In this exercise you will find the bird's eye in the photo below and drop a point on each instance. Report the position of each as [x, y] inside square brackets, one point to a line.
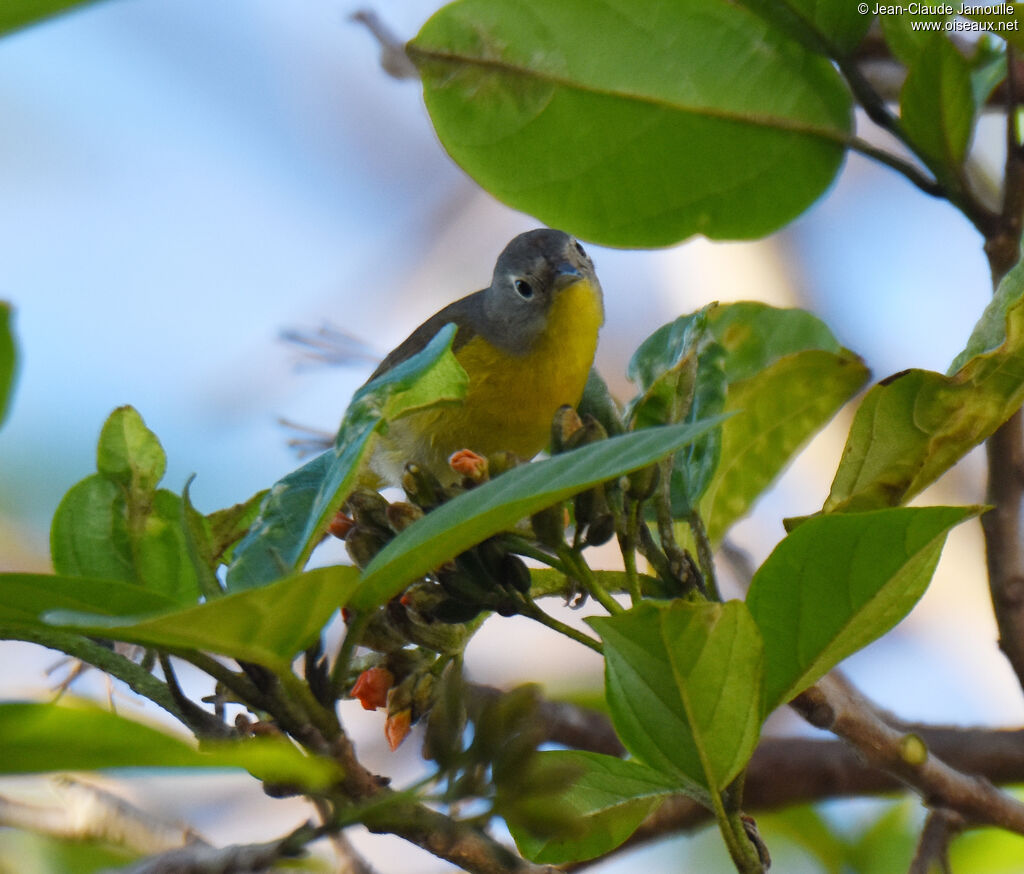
[524, 289]
[580, 249]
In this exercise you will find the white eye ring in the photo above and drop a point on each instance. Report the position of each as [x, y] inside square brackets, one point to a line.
[580, 248]
[523, 289]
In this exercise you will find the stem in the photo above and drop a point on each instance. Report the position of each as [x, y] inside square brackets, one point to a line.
[523, 547]
[741, 850]
[582, 572]
[353, 635]
[628, 549]
[326, 721]
[532, 611]
[705, 555]
[137, 678]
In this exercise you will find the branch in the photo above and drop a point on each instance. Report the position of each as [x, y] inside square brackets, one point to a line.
[1004, 551]
[837, 707]
[933, 849]
[384, 811]
[238, 859]
[136, 677]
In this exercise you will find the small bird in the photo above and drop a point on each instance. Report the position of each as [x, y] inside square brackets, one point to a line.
[527, 344]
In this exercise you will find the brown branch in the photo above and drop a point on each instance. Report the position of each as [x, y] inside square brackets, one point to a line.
[1002, 525]
[383, 811]
[837, 707]
[240, 859]
[933, 849]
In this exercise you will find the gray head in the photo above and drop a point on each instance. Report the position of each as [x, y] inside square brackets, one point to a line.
[528, 276]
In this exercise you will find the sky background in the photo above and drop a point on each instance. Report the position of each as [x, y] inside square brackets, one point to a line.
[182, 181]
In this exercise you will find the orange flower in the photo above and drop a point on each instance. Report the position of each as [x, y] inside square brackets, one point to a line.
[372, 687]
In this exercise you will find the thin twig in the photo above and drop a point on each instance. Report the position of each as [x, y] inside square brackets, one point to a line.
[940, 828]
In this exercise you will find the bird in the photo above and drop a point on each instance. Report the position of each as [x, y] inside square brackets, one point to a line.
[527, 344]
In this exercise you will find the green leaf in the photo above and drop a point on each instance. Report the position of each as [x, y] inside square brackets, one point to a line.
[89, 533]
[228, 526]
[779, 410]
[992, 329]
[907, 35]
[42, 854]
[498, 504]
[988, 69]
[48, 737]
[912, 427]
[24, 598]
[937, 105]
[268, 625]
[592, 94]
[598, 402]
[784, 376]
[129, 454]
[838, 582]
[298, 508]
[679, 372]
[117, 525]
[8, 360]
[683, 682]
[92, 536]
[831, 27]
[664, 370]
[15, 14]
[608, 800]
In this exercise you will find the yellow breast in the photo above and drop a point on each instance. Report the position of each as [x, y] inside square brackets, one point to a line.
[511, 399]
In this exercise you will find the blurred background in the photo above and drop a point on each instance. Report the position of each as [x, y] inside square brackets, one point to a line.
[181, 182]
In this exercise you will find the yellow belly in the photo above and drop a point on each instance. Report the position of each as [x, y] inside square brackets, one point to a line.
[510, 400]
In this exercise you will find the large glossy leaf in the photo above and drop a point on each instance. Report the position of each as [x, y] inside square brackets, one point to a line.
[81, 737]
[268, 625]
[838, 582]
[722, 124]
[911, 428]
[295, 513]
[786, 377]
[498, 504]
[15, 14]
[608, 799]
[937, 104]
[683, 682]
[8, 360]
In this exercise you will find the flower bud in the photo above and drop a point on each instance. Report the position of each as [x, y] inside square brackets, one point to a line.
[565, 424]
[401, 514]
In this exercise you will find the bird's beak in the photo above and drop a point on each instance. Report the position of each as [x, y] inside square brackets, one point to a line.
[566, 274]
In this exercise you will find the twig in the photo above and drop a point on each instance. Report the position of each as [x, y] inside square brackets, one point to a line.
[393, 58]
[1004, 550]
[837, 707]
[201, 722]
[457, 842]
[705, 555]
[238, 859]
[529, 609]
[137, 678]
[940, 828]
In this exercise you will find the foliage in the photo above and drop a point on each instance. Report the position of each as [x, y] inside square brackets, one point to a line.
[630, 125]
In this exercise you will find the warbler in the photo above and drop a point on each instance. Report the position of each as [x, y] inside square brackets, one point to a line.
[527, 344]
